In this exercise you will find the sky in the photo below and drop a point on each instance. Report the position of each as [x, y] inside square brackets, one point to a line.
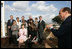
[46, 9]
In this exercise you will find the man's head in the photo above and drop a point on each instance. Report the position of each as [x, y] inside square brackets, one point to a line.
[22, 17]
[40, 17]
[64, 12]
[11, 16]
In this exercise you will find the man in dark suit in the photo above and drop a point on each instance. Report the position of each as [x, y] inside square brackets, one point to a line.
[9, 24]
[22, 19]
[41, 26]
[64, 32]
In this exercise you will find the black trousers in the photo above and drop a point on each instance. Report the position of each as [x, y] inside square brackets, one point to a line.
[10, 37]
[14, 39]
[40, 34]
[28, 43]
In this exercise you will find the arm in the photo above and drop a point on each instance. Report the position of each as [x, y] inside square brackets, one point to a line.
[8, 24]
[25, 32]
[19, 32]
[60, 32]
[34, 38]
[43, 25]
[12, 28]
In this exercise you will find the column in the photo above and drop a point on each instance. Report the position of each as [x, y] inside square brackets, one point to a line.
[3, 21]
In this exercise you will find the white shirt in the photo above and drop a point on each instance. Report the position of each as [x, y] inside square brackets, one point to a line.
[40, 21]
[19, 24]
[51, 27]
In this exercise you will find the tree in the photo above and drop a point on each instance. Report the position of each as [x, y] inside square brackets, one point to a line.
[57, 19]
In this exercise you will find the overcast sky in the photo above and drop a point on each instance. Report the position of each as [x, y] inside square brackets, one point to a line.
[47, 9]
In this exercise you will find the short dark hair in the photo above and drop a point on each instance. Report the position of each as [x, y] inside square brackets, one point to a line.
[66, 9]
[17, 18]
[23, 16]
[36, 18]
[11, 15]
[13, 21]
[40, 16]
[22, 25]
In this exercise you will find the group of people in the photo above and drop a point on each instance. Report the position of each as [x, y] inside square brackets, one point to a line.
[30, 31]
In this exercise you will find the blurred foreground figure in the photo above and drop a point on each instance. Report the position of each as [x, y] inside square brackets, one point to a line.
[64, 32]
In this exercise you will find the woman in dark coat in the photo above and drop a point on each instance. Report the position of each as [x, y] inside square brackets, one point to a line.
[32, 35]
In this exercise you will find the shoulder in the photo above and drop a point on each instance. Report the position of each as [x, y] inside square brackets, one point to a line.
[28, 20]
[8, 20]
[43, 21]
[38, 21]
[68, 20]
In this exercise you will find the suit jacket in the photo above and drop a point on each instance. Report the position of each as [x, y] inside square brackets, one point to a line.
[41, 25]
[64, 33]
[10, 23]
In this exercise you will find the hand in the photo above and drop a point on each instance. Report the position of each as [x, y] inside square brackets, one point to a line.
[14, 28]
[8, 26]
[29, 36]
[45, 29]
[34, 38]
[29, 24]
[50, 25]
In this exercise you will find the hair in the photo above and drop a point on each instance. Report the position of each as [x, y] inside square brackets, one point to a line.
[17, 18]
[11, 15]
[22, 25]
[13, 21]
[22, 16]
[40, 16]
[33, 26]
[36, 18]
[66, 9]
